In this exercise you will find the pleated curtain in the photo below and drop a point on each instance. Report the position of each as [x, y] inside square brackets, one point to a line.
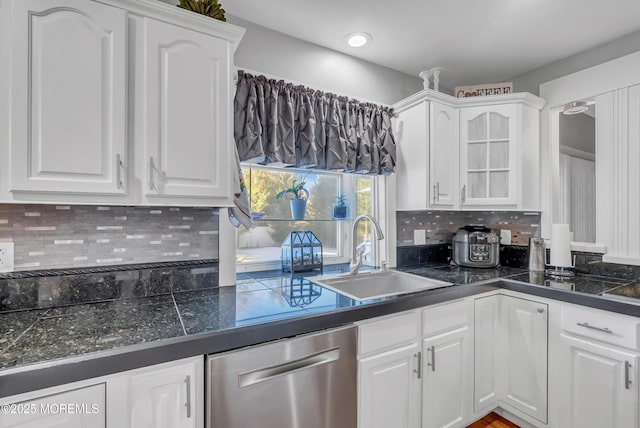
[278, 122]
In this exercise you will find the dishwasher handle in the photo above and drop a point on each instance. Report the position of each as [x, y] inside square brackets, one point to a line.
[261, 375]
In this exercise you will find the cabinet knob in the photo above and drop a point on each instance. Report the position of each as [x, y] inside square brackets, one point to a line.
[540, 310]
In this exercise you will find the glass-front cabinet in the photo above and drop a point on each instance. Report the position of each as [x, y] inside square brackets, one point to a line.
[488, 155]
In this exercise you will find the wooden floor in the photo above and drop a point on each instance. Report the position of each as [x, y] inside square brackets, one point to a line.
[493, 420]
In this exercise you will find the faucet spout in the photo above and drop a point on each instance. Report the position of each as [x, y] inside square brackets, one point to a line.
[356, 259]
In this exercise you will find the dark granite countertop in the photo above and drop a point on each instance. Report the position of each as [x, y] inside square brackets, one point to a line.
[461, 275]
[150, 314]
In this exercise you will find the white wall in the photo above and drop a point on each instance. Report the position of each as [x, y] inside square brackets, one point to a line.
[530, 82]
[274, 53]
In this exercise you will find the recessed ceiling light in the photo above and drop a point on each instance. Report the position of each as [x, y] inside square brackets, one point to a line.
[575, 107]
[356, 40]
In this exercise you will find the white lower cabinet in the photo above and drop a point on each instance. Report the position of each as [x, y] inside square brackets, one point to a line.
[600, 387]
[390, 389]
[388, 372]
[169, 395]
[445, 381]
[511, 348]
[406, 384]
[446, 365]
[524, 326]
[486, 367]
[598, 369]
[75, 408]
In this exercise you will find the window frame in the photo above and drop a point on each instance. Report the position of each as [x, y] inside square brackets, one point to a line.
[346, 186]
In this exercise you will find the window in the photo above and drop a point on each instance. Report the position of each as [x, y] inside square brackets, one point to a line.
[364, 205]
[259, 247]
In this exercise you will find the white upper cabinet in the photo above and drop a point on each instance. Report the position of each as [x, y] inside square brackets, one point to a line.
[488, 155]
[68, 97]
[187, 111]
[443, 156]
[412, 172]
[470, 153]
[427, 168]
[120, 102]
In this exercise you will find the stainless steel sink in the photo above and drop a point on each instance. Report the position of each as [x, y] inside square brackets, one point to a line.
[375, 284]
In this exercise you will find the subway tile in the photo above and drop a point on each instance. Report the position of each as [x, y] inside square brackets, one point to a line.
[109, 227]
[112, 260]
[60, 236]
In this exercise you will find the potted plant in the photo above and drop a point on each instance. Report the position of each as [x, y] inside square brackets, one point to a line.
[209, 8]
[340, 209]
[298, 201]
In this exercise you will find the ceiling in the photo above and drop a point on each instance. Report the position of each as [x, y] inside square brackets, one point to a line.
[474, 41]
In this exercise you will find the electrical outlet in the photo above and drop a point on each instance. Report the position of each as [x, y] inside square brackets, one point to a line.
[419, 237]
[6, 256]
[505, 236]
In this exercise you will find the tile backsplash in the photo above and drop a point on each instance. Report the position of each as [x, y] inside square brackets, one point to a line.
[440, 226]
[63, 236]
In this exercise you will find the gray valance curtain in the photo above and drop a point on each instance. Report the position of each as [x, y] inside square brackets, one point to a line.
[277, 122]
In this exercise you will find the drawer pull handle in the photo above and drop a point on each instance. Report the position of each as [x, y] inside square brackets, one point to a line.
[587, 325]
[119, 166]
[418, 369]
[627, 377]
[187, 381]
[432, 349]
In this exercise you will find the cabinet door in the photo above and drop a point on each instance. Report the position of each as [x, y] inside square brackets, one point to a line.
[169, 397]
[600, 386]
[187, 104]
[524, 324]
[488, 155]
[444, 165]
[446, 379]
[412, 175]
[486, 364]
[389, 389]
[68, 97]
[79, 408]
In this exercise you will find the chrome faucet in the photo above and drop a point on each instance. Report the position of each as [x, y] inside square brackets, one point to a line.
[356, 259]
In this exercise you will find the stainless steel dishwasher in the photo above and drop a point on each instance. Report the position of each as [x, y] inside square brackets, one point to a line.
[308, 381]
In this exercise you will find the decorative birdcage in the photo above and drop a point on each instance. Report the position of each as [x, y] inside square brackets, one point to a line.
[301, 252]
[298, 291]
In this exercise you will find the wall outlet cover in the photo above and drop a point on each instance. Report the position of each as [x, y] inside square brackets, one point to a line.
[6, 256]
[505, 236]
[419, 237]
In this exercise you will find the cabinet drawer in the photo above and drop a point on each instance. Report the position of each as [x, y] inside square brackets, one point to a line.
[445, 317]
[604, 326]
[388, 332]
